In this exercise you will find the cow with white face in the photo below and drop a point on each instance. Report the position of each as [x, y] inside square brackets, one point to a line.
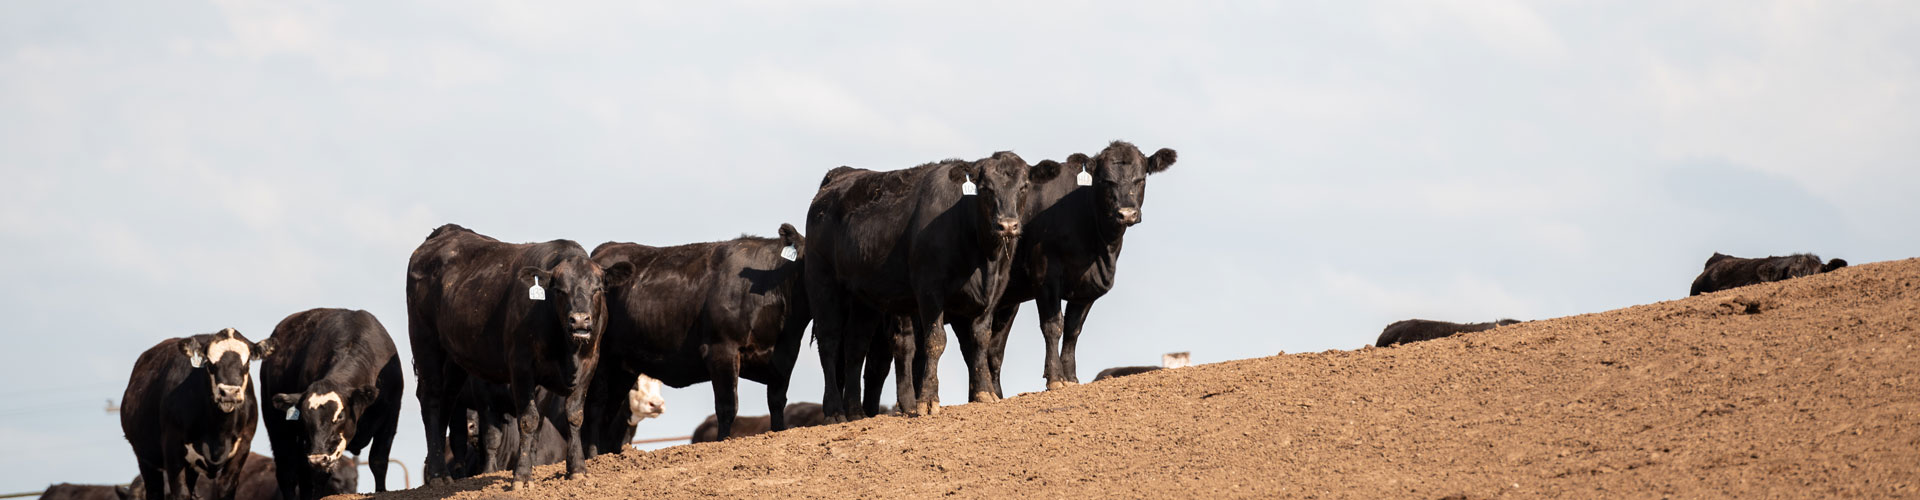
[336, 387]
[645, 400]
[189, 412]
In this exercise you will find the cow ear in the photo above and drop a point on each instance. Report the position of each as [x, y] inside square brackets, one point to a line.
[263, 348]
[286, 400]
[529, 273]
[196, 355]
[364, 396]
[960, 172]
[1161, 160]
[792, 237]
[1044, 171]
[616, 274]
[1833, 264]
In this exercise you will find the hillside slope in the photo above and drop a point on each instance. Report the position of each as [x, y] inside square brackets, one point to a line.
[1806, 388]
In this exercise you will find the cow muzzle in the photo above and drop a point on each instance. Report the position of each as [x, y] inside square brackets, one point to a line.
[229, 397]
[321, 462]
[1127, 216]
[1007, 227]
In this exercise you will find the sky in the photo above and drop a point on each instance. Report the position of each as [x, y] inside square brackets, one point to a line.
[176, 168]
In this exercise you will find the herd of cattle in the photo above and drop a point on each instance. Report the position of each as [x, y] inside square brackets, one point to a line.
[536, 353]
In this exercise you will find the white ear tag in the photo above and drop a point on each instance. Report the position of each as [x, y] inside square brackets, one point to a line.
[789, 253]
[1084, 179]
[293, 413]
[966, 188]
[196, 360]
[535, 292]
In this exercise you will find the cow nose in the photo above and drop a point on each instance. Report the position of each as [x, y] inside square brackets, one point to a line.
[1128, 216]
[320, 461]
[1009, 227]
[580, 321]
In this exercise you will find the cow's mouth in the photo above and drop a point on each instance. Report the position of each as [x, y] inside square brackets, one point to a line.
[227, 405]
[582, 335]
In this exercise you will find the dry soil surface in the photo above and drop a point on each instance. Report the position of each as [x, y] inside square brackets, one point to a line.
[1808, 388]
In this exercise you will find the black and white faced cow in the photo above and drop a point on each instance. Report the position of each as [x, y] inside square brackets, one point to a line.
[525, 315]
[189, 410]
[336, 386]
[1070, 251]
[934, 244]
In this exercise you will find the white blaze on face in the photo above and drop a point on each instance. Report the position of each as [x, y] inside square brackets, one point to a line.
[314, 403]
[339, 448]
[1175, 360]
[645, 400]
[222, 347]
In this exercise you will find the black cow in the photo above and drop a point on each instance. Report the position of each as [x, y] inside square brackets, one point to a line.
[702, 312]
[796, 415]
[1415, 330]
[189, 410]
[70, 491]
[526, 315]
[336, 386]
[1071, 250]
[912, 243]
[1726, 271]
[490, 439]
[1122, 371]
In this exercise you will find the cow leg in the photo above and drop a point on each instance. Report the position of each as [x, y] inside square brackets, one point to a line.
[723, 364]
[879, 359]
[829, 325]
[568, 415]
[438, 380]
[930, 340]
[997, 351]
[1076, 317]
[179, 481]
[152, 490]
[979, 368]
[785, 353]
[383, 447]
[856, 343]
[1051, 328]
[528, 415]
[906, 396]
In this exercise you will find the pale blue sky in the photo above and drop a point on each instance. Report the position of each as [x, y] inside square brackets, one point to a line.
[182, 167]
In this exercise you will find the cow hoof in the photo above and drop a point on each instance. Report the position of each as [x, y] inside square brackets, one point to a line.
[1068, 383]
[984, 397]
[517, 485]
[933, 408]
[836, 419]
[1055, 385]
[439, 481]
[576, 475]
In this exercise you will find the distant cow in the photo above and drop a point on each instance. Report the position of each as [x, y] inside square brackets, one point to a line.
[932, 243]
[189, 410]
[1168, 360]
[610, 433]
[335, 386]
[1415, 330]
[1726, 271]
[1070, 251]
[797, 415]
[703, 312]
[526, 315]
[70, 491]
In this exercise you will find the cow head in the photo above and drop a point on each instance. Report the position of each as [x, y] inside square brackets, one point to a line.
[1120, 180]
[226, 358]
[645, 400]
[576, 290]
[329, 413]
[1001, 182]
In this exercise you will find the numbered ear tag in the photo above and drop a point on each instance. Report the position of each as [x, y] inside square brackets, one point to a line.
[293, 413]
[790, 253]
[1084, 179]
[535, 292]
[196, 360]
[966, 188]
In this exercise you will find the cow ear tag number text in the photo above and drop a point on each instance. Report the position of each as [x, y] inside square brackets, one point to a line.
[1084, 179]
[789, 253]
[293, 413]
[535, 292]
[966, 188]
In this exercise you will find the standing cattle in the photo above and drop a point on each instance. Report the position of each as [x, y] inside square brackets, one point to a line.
[932, 243]
[526, 315]
[189, 411]
[1071, 250]
[796, 415]
[490, 440]
[702, 312]
[1726, 271]
[1415, 330]
[335, 386]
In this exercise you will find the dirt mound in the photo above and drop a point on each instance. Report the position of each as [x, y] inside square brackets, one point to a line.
[1806, 388]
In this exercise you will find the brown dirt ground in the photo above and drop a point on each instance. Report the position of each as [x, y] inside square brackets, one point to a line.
[1805, 388]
